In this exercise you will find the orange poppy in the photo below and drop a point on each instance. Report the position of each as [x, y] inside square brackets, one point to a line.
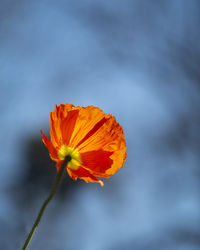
[93, 141]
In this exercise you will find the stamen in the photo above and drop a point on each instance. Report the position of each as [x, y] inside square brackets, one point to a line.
[73, 155]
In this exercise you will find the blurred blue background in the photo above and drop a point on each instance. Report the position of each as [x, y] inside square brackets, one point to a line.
[138, 60]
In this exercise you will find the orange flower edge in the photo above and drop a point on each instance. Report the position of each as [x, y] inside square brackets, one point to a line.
[93, 140]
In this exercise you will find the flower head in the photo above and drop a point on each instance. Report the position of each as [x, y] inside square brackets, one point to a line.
[92, 140]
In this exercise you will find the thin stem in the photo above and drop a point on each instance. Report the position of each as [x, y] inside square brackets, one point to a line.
[46, 202]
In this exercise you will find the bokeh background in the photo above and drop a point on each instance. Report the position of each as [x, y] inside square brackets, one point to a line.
[138, 60]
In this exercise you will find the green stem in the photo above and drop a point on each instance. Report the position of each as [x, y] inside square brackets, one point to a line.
[46, 202]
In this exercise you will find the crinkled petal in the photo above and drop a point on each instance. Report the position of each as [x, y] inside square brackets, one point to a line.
[92, 131]
[50, 147]
[67, 125]
[56, 117]
[89, 120]
[83, 174]
[98, 161]
[109, 137]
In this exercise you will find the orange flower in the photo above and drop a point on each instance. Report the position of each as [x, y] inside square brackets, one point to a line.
[93, 140]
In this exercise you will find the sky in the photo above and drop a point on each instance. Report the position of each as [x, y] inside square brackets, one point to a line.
[137, 60]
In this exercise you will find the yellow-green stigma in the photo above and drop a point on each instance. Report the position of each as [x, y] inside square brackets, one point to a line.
[73, 154]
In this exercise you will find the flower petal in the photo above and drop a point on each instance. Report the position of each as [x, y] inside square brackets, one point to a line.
[67, 125]
[83, 174]
[92, 131]
[50, 147]
[89, 120]
[56, 117]
[98, 161]
[109, 137]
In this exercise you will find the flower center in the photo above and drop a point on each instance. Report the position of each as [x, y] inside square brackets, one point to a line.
[73, 155]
